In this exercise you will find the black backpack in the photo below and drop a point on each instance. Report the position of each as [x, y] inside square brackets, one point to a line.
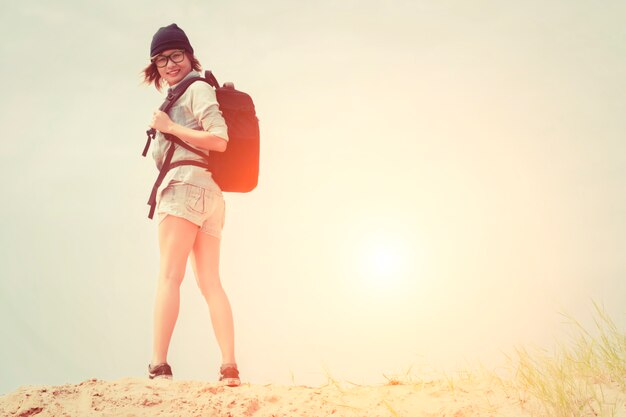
[237, 168]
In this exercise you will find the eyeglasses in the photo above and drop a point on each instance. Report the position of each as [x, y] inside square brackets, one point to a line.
[176, 57]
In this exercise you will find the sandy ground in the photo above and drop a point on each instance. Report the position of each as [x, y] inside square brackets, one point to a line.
[142, 397]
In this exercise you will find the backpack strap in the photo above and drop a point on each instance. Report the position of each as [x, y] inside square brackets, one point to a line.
[210, 78]
[172, 97]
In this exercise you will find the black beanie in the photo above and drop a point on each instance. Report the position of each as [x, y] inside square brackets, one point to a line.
[169, 37]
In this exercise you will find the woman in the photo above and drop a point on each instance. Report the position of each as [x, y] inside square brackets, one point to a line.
[190, 205]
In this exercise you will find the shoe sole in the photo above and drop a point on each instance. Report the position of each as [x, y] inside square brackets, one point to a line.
[231, 382]
[168, 377]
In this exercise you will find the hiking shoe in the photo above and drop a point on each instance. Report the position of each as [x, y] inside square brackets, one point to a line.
[229, 376]
[161, 371]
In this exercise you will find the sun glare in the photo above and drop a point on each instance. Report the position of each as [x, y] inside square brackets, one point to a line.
[385, 263]
[374, 261]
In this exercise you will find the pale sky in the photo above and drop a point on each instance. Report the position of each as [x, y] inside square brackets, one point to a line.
[439, 181]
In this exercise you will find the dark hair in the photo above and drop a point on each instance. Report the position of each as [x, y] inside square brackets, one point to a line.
[151, 72]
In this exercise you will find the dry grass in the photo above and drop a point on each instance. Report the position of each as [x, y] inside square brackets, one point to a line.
[400, 379]
[575, 380]
[585, 376]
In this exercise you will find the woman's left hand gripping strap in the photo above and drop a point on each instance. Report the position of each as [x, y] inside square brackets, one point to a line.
[151, 134]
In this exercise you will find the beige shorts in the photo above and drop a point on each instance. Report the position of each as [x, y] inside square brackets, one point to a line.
[203, 207]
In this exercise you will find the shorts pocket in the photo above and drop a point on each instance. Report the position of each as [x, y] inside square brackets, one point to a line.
[196, 199]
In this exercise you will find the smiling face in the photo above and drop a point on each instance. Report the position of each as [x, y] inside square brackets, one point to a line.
[173, 72]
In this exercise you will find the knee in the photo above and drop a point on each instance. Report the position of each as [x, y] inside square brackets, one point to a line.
[171, 278]
[210, 286]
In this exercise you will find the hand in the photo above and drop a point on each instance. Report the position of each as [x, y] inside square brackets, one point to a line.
[161, 122]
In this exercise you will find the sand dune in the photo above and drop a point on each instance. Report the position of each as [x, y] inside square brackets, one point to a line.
[472, 396]
[142, 397]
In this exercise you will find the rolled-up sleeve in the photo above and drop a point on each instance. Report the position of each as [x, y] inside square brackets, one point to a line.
[206, 109]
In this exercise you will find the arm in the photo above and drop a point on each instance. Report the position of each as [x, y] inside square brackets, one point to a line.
[198, 138]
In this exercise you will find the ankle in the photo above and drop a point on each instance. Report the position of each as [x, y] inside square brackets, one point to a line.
[155, 363]
[228, 365]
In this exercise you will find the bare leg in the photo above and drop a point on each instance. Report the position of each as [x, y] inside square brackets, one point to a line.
[176, 237]
[205, 261]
